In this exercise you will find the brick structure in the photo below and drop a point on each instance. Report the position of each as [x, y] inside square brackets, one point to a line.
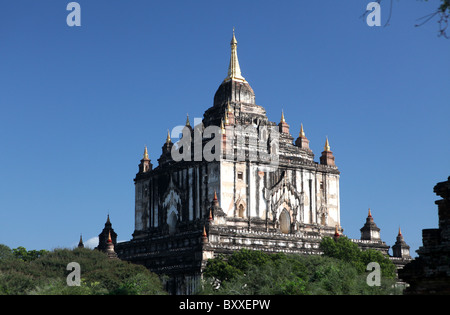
[430, 272]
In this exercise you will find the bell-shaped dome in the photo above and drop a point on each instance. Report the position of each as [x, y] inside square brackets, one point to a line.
[234, 91]
[234, 88]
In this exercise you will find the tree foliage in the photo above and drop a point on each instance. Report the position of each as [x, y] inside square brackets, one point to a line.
[37, 272]
[346, 250]
[341, 270]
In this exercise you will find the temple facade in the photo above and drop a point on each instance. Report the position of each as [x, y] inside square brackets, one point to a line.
[236, 180]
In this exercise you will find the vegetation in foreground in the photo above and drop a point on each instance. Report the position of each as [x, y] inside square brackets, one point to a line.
[45, 273]
[341, 270]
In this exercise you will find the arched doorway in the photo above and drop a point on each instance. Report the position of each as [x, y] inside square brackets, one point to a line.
[241, 211]
[172, 222]
[285, 222]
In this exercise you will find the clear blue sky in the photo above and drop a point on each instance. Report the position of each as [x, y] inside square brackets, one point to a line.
[78, 104]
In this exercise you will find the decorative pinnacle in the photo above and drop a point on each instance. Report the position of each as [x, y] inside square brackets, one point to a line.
[399, 232]
[302, 132]
[282, 117]
[187, 120]
[222, 128]
[228, 107]
[226, 118]
[205, 236]
[327, 146]
[146, 153]
[234, 70]
[168, 140]
[370, 213]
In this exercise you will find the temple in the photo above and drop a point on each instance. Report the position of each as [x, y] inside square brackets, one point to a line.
[236, 180]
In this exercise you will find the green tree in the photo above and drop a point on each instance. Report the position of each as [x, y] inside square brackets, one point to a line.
[254, 273]
[344, 249]
[5, 252]
[99, 275]
[340, 271]
[23, 254]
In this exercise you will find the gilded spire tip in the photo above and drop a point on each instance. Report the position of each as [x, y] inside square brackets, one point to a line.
[302, 132]
[234, 70]
[168, 140]
[327, 146]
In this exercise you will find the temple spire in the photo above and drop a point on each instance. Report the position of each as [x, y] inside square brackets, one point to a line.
[146, 153]
[327, 157]
[327, 146]
[80, 243]
[234, 70]
[302, 132]
[187, 120]
[283, 126]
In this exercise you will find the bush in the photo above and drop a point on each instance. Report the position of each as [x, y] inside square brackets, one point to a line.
[341, 270]
[345, 250]
[47, 274]
[254, 273]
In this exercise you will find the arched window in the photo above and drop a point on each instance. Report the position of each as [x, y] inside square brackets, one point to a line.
[172, 221]
[241, 211]
[323, 220]
[285, 222]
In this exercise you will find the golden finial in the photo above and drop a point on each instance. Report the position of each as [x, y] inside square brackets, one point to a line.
[282, 117]
[146, 153]
[204, 235]
[327, 146]
[228, 107]
[187, 120]
[168, 140]
[233, 39]
[302, 132]
[226, 118]
[234, 70]
[370, 213]
[399, 232]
